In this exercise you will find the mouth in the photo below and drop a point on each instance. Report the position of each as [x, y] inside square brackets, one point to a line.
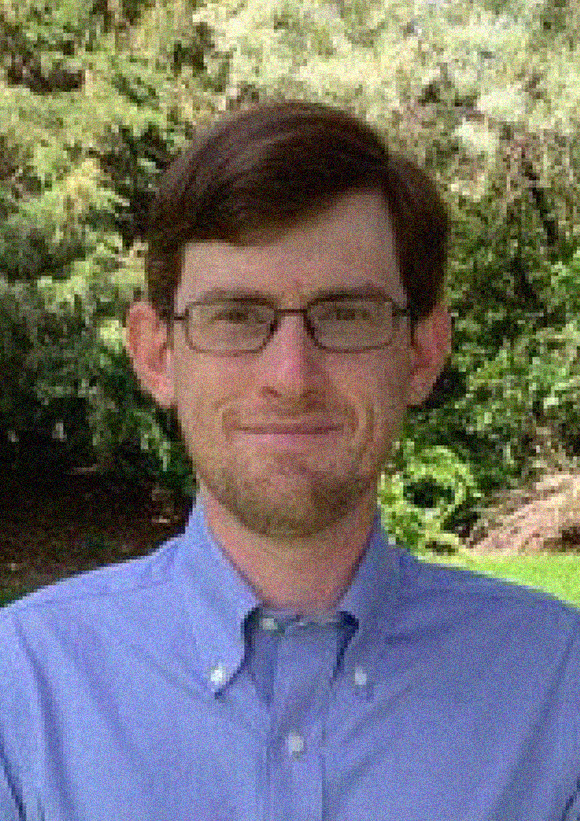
[291, 435]
[294, 430]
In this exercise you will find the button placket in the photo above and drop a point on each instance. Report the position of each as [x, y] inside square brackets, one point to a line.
[306, 660]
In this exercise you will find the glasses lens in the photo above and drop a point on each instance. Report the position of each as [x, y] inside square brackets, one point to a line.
[353, 322]
[229, 325]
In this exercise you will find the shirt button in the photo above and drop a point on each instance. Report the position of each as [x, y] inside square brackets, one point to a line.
[218, 674]
[268, 623]
[295, 743]
[360, 677]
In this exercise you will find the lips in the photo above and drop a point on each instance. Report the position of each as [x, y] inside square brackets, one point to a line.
[289, 429]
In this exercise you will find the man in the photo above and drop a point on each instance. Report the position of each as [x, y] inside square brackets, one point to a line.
[281, 659]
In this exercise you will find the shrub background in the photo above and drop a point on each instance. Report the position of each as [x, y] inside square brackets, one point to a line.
[95, 98]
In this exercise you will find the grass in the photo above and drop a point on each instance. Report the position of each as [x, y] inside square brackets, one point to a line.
[558, 574]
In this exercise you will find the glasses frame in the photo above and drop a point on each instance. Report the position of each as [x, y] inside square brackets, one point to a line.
[398, 311]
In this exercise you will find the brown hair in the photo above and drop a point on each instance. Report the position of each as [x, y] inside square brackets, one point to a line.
[276, 163]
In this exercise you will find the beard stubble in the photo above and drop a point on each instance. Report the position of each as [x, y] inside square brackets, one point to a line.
[283, 495]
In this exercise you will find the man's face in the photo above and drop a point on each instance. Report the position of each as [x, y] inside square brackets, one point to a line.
[282, 484]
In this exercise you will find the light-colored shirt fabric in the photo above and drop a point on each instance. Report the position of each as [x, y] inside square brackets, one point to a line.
[160, 690]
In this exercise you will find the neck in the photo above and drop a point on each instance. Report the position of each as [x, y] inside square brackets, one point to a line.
[303, 574]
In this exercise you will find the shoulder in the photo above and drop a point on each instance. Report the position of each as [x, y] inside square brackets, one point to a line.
[445, 578]
[103, 591]
[473, 637]
[441, 592]
[87, 625]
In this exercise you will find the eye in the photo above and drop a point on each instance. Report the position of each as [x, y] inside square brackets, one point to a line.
[347, 311]
[237, 314]
[230, 315]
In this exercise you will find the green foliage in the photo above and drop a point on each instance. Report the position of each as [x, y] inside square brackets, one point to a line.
[96, 97]
[516, 413]
[68, 396]
[529, 390]
[422, 496]
[44, 353]
[131, 436]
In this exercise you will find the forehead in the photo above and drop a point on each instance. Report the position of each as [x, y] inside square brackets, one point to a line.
[348, 244]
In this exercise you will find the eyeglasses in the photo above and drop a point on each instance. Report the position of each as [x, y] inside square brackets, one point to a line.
[246, 324]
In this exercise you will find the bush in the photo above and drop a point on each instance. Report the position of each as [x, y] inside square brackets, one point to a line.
[45, 353]
[424, 497]
[68, 396]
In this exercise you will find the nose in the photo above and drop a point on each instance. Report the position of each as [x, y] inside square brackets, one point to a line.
[291, 364]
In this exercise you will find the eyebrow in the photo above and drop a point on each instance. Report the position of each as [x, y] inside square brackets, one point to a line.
[367, 289]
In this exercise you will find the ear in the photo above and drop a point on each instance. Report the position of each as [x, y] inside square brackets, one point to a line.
[147, 343]
[430, 347]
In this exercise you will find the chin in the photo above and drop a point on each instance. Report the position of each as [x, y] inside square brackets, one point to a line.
[287, 500]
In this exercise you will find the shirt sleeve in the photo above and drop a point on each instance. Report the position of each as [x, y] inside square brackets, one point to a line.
[10, 804]
[14, 727]
[571, 721]
[572, 811]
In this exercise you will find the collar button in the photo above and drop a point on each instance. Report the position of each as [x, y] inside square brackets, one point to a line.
[218, 674]
[268, 623]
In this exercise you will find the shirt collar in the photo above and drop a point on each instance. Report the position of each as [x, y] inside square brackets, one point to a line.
[220, 600]
[373, 585]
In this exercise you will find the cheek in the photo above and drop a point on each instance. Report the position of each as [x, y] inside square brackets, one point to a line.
[203, 391]
[383, 382]
[381, 398]
[193, 393]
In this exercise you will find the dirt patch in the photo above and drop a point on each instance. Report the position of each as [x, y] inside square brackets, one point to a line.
[543, 518]
[49, 531]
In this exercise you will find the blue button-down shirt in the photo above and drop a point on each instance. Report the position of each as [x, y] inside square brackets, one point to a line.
[160, 690]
